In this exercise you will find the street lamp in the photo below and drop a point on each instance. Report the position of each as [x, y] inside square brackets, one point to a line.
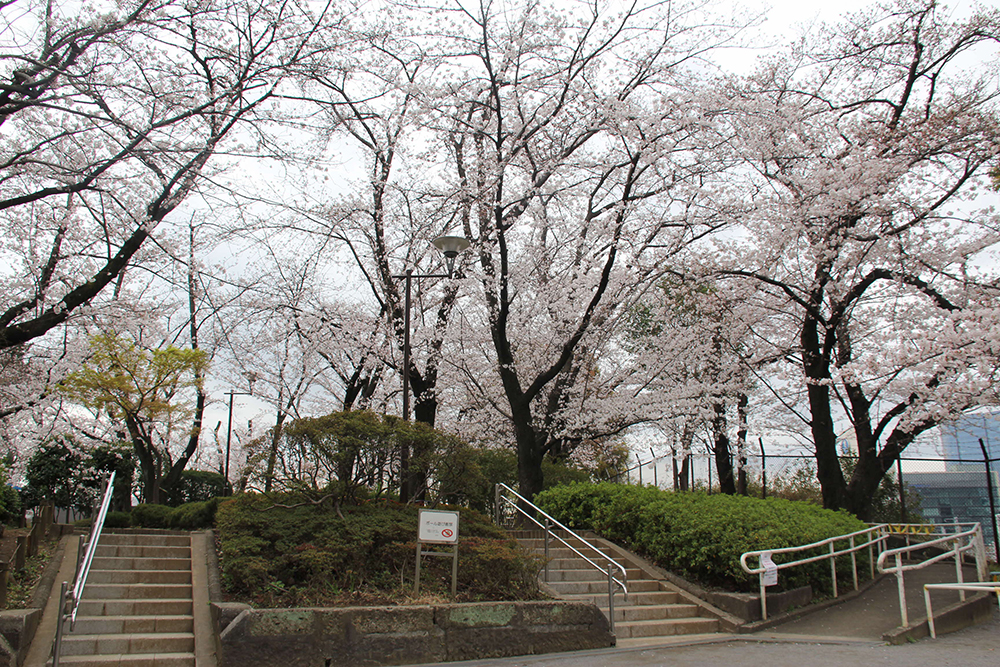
[450, 247]
[229, 428]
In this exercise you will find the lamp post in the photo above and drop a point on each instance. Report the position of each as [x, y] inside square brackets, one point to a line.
[450, 247]
[229, 428]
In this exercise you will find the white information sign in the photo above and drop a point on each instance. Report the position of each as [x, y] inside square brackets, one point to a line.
[770, 569]
[437, 527]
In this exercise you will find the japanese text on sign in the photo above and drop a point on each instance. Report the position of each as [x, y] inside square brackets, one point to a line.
[436, 527]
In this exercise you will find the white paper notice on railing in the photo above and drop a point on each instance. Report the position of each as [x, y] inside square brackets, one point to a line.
[770, 569]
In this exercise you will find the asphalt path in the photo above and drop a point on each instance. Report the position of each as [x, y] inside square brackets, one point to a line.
[978, 646]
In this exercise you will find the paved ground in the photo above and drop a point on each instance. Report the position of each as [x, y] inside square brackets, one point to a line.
[978, 646]
[842, 635]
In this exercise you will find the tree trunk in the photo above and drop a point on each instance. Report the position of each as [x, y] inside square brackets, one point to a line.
[721, 450]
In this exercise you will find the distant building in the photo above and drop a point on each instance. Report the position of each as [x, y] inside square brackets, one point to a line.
[960, 439]
[955, 496]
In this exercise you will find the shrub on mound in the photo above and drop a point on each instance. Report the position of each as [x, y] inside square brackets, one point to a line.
[702, 536]
[285, 550]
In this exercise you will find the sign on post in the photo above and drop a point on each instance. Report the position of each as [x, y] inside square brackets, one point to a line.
[770, 569]
[437, 527]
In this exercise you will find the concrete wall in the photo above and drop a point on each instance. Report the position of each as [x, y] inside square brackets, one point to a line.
[357, 636]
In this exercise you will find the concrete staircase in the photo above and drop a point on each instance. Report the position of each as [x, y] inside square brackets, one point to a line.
[138, 605]
[654, 607]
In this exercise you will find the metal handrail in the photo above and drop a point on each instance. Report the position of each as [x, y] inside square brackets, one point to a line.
[975, 543]
[978, 586]
[547, 527]
[762, 571]
[71, 598]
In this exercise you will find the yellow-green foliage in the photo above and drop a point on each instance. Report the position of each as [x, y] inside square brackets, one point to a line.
[284, 550]
[125, 380]
[702, 536]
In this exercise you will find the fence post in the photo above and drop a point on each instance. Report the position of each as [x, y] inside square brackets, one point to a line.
[19, 552]
[993, 508]
[902, 492]
[4, 576]
[763, 469]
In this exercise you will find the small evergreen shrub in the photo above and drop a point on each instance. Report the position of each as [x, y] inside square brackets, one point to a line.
[285, 550]
[147, 515]
[702, 536]
[117, 520]
[193, 516]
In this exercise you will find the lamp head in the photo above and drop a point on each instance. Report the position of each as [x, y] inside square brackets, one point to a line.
[450, 246]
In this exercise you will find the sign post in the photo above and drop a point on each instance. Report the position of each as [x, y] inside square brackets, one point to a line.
[437, 527]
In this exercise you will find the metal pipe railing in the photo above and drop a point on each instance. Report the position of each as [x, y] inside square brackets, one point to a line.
[875, 537]
[957, 549]
[70, 598]
[979, 586]
[609, 568]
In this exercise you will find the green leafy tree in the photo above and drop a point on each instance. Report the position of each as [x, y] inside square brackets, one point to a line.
[146, 391]
[55, 472]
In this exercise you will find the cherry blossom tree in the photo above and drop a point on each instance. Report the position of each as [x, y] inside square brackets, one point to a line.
[111, 116]
[573, 171]
[861, 153]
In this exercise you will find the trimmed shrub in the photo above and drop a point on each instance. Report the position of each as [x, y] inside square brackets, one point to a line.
[286, 550]
[193, 516]
[702, 536]
[147, 515]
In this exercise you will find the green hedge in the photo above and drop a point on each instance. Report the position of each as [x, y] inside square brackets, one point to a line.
[702, 536]
[282, 550]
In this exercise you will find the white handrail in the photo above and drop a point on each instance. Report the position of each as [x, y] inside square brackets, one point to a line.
[762, 571]
[975, 543]
[71, 598]
[611, 563]
[971, 586]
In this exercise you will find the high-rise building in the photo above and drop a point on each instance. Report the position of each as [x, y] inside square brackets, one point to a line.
[960, 439]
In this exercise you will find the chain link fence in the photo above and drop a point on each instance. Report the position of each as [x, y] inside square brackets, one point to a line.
[932, 490]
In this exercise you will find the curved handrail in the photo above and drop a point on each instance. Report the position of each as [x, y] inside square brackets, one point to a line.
[71, 598]
[975, 543]
[611, 563]
[761, 570]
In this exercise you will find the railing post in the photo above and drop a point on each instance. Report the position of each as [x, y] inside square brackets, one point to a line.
[930, 613]
[902, 591]
[57, 649]
[548, 527]
[611, 599]
[958, 567]
[763, 596]
[833, 567]
[854, 563]
[496, 505]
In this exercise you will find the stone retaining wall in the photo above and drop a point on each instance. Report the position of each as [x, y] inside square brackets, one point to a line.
[356, 636]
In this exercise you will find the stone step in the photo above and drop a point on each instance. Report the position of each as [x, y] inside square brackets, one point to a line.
[121, 644]
[140, 551]
[634, 599]
[147, 539]
[655, 612]
[675, 626]
[102, 576]
[148, 607]
[118, 625]
[137, 660]
[137, 591]
[593, 587]
[113, 563]
[588, 574]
